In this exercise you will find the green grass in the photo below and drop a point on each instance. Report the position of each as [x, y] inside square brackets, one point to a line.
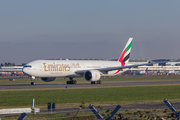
[96, 96]
[103, 96]
[106, 79]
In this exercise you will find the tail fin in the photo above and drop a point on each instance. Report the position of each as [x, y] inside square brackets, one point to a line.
[124, 58]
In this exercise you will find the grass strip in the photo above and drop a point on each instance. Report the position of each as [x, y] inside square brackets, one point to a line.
[103, 96]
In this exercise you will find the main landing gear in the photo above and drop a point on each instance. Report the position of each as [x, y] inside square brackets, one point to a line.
[96, 82]
[32, 80]
[71, 81]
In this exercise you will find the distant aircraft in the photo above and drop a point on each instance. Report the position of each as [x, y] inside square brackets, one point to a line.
[171, 72]
[142, 72]
[92, 71]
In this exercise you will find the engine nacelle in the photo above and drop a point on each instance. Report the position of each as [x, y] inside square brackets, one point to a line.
[92, 75]
[49, 79]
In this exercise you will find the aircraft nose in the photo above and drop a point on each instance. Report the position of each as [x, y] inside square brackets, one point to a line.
[26, 68]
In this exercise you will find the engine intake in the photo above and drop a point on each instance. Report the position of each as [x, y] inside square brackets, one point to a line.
[49, 79]
[92, 75]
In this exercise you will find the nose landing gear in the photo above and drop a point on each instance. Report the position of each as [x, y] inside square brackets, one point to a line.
[32, 80]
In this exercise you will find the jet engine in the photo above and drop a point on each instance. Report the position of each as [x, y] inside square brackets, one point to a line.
[92, 75]
[49, 79]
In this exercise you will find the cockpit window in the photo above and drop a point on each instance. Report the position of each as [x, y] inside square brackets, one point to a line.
[29, 66]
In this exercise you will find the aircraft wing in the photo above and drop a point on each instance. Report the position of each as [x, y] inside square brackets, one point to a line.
[119, 68]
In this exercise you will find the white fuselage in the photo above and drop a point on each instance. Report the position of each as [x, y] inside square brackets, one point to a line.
[63, 68]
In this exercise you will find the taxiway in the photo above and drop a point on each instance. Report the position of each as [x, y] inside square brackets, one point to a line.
[86, 85]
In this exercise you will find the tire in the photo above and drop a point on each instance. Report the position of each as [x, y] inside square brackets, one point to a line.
[32, 83]
[74, 82]
[93, 82]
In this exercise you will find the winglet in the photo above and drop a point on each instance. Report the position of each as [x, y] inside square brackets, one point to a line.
[124, 58]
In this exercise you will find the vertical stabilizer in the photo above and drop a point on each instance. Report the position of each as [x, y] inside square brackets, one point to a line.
[124, 58]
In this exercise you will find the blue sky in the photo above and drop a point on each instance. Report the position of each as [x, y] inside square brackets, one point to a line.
[43, 29]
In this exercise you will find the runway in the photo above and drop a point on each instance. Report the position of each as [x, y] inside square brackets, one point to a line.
[86, 85]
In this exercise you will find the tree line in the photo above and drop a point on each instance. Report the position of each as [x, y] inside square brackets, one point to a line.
[7, 64]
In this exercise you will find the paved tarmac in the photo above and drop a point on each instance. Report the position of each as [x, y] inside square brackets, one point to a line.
[86, 85]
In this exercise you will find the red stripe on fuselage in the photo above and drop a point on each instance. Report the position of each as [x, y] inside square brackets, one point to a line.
[117, 72]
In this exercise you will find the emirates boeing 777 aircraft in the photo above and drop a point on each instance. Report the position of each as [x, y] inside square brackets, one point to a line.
[92, 71]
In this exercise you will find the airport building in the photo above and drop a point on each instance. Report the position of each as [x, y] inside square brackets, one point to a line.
[11, 71]
[170, 68]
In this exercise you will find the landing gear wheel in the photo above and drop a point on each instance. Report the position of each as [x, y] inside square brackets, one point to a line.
[98, 82]
[32, 80]
[74, 81]
[71, 82]
[32, 83]
[93, 82]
